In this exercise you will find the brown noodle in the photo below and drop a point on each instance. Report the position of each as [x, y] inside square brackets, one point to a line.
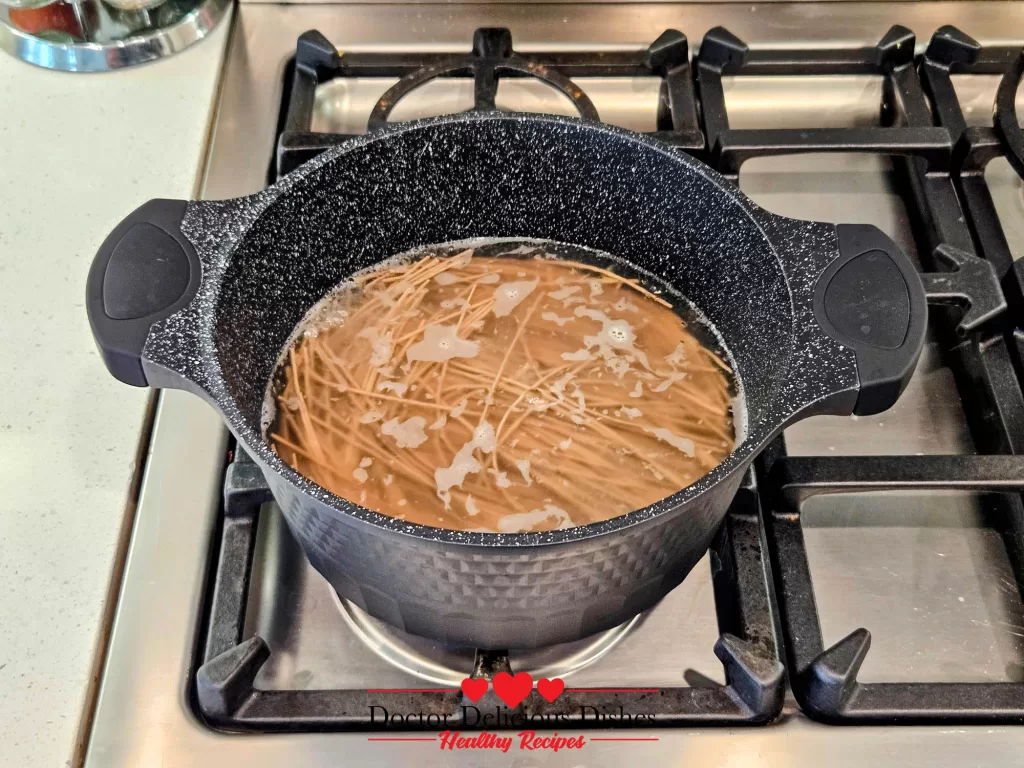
[501, 394]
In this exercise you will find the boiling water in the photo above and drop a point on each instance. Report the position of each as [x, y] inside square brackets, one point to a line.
[503, 385]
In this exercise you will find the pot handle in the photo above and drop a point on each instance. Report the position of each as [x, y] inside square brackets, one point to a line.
[145, 270]
[871, 299]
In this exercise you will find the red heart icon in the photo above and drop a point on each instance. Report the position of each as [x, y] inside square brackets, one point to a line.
[474, 688]
[550, 689]
[512, 690]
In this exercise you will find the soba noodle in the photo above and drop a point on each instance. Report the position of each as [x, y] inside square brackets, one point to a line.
[501, 393]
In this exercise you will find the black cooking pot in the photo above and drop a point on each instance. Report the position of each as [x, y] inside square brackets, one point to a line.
[818, 318]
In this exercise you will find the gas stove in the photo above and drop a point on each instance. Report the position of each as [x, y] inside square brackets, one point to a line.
[870, 571]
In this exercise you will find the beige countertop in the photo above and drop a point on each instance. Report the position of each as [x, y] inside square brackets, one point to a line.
[77, 153]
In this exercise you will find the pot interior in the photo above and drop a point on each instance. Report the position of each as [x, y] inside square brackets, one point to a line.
[505, 177]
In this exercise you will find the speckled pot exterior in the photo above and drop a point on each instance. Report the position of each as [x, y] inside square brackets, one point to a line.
[267, 258]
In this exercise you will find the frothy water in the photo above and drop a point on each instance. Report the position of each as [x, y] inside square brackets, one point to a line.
[495, 378]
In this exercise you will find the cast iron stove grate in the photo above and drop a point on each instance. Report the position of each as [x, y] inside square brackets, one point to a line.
[226, 695]
[939, 162]
[318, 61]
[959, 236]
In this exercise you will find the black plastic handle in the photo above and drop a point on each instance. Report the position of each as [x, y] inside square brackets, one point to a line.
[871, 299]
[145, 271]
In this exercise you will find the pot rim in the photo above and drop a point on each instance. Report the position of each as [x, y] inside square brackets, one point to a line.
[757, 435]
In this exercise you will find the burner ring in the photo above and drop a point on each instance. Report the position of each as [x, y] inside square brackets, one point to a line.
[1005, 115]
[433, 662]
[492, 56]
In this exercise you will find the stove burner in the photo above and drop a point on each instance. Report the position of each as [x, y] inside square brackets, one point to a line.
[448, 665]
[1006, 122]
[492, 56]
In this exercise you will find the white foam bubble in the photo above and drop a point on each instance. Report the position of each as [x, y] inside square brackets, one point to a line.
[381, 346]
[397, 387]
[508, 296]
[564, 293]
[551, 317]
[464, 463]
[500, 478]
[525, 521]
[408, 433]
[667, 382]
[684, 444]
[440, 343]
[578, 356]
[446, 278]
[677, 356]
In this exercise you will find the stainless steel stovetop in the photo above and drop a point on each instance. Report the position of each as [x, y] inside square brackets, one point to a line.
[931, 580]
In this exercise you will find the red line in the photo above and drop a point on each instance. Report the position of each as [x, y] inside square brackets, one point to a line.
[400, 738]
[609, 738]
[567, 690]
